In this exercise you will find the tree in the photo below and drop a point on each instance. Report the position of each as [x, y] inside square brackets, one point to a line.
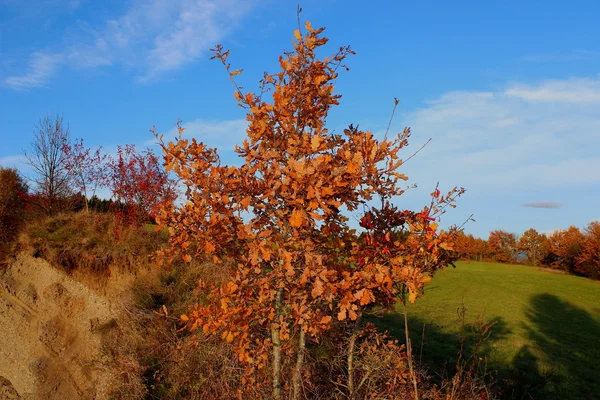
[502, 246]
[588, 260]
[139, 182]
[13, 191]
[86, 168]
[532, 244]
[463, 246]
[481, 249]
[278, 222]
[564, 247]
[47, 158]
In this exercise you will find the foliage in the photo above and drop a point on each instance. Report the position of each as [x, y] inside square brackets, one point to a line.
[502, 245]
[86, 168]
[13, 193]
[588, 260]
[563, 248]
[532, 244]
[139, 182]
[468, 247]
[278, 221]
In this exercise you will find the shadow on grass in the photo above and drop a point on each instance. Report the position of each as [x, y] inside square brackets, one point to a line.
[560, 361]
[438, 350]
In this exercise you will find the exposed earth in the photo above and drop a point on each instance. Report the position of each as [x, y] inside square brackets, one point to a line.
[51, 329]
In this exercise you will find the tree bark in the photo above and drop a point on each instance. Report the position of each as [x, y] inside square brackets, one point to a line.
[297, 379]
[351, 345]
[409, 351]
[276, 339]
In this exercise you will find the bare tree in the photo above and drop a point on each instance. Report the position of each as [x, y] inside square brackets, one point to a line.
[47, 158]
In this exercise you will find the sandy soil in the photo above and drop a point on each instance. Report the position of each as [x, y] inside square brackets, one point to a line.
[51, 328]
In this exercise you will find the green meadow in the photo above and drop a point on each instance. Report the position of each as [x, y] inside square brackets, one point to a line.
[545, 343]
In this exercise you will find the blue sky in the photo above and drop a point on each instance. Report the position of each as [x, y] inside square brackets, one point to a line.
[508, 91]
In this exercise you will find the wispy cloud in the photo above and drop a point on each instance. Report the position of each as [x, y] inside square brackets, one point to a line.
[578, 91]
[40, 68]
[16, 161]
[149, 38]
[510, 139]
[543, 204]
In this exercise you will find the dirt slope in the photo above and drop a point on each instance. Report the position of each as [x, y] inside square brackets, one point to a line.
[50, 334]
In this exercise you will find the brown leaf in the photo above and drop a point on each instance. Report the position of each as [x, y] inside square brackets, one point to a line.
[296, 219]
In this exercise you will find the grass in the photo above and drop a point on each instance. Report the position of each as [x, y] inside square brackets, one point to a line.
[545, 343]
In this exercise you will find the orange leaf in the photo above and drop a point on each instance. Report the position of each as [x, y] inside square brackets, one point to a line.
[296, 219]
[341, 315]
[209, 247]
[236, 72]
[366, 297]
[317, 288]
[315, 142]
[184, 318]
[308, 26]
[297, 35]
[245, 202]
[325, 319]
[187, 258]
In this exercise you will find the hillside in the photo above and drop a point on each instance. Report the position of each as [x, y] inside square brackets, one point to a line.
[544, 341]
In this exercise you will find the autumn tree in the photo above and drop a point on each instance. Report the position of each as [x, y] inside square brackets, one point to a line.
[13, 191]
[279, 222]
[502, 246]
[564, 247]
[86, 168]
[47, 159]
[463, 246]
[139, 182]
[588, 260]
[480, 249]
[532, 244]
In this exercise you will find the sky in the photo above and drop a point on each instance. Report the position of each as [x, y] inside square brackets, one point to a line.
[508, 92]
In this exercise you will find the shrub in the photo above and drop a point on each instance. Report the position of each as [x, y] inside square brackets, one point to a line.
[13, 193]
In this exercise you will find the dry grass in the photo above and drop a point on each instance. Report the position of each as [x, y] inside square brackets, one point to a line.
[155, 357]
[84, 244]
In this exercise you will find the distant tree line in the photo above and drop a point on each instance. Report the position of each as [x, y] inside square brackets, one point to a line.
[66, 176]
[571, 250]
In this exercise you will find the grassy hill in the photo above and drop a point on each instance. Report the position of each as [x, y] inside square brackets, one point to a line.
[545, 343]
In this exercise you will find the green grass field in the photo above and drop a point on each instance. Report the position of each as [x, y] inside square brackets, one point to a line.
[545, 344]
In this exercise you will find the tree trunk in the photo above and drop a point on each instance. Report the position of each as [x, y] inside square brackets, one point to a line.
[276, 339]
[351, 345]
[409, 351]
[297, 379]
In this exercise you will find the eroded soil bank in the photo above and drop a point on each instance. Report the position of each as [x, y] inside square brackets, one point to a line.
[51, 329]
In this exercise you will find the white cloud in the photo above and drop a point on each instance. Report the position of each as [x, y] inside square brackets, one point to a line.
[150, 38]
[13, 161]
[40, 68]
[578, 91]
[527, 136]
